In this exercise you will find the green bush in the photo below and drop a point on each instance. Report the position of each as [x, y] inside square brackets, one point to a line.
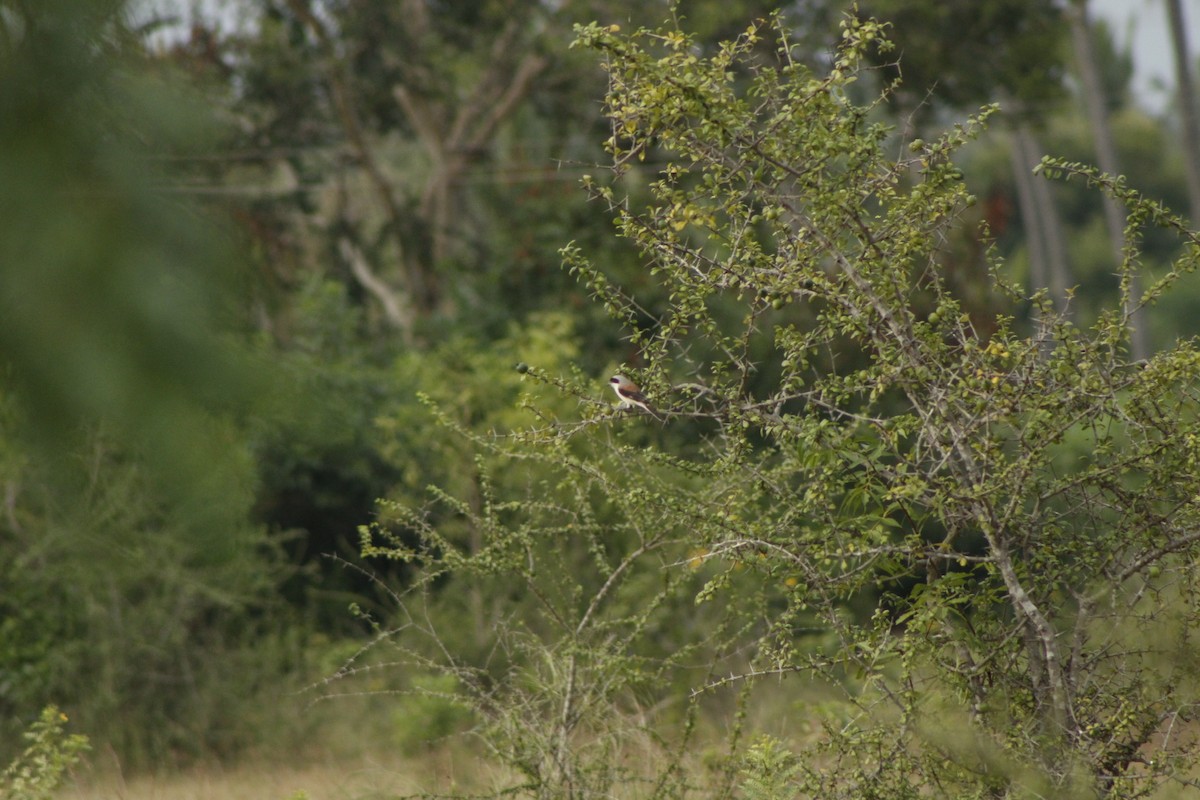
[38, 772]
[978, 534]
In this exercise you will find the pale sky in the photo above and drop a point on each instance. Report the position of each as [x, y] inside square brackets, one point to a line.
[1154, 63]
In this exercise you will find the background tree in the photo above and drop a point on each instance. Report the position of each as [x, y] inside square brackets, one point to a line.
[1187, 103]
[438, 142]
[1049, 261]
[955, 56]
[1106, 156]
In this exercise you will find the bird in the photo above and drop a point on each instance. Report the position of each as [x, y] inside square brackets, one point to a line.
[630, 394]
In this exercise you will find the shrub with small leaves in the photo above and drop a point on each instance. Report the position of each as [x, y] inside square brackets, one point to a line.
[769, 771]
[39, 770]
[980, 534]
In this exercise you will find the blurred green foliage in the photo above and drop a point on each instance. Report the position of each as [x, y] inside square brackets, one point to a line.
[964, 53]
[430, 712]
[133, 569]
[111, 287]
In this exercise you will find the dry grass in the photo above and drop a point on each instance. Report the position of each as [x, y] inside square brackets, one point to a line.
[352, 751]
[362, 778]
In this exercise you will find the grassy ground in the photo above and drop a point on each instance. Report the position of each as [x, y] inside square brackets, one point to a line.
[357, 748]
[361, 778]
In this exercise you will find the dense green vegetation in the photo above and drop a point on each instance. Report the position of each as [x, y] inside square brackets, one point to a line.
[306, 326]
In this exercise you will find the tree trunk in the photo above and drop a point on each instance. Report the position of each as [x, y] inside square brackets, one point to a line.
[1049, 262]
[1187, 106]
[1031, 219]
[456, 136]
[1106, 155]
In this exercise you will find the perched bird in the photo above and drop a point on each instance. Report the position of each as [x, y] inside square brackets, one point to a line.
[630, 394]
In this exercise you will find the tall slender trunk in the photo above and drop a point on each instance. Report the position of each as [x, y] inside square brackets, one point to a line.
[1049, 262]
[1106, 156]
[1031, 218]
[1061, 279]
[1187, 106]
